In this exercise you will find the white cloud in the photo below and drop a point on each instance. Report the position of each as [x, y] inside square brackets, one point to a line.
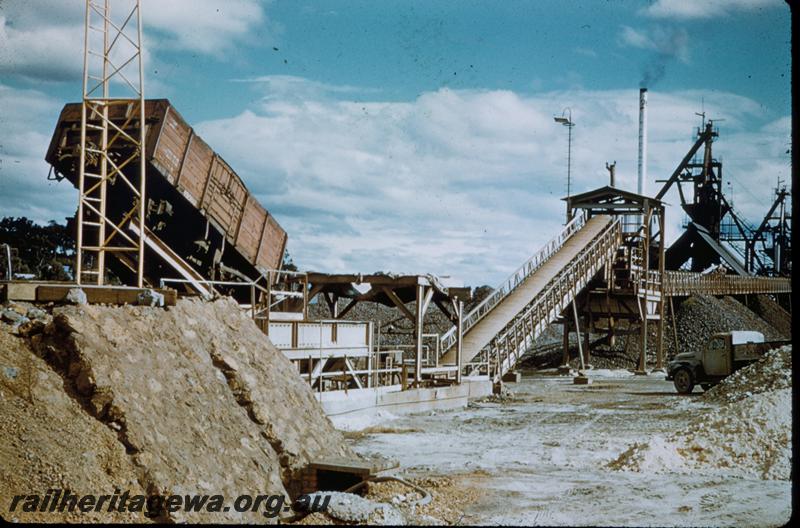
[213, 28]
[282, 87]
[49, 52]
[462, 182]
[669, 42]
[637, 39]
[27, 118]
[43, 40]
[692, 9]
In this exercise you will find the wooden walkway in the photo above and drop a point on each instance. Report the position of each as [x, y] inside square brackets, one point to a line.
[479, 335]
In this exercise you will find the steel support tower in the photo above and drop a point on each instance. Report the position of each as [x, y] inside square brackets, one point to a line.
[111, 153]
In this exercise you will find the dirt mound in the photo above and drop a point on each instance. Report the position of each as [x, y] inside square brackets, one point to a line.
[772, 312]
[770, 373]
[265, 383]
[48, 441]
[196, 396]
[749, 436]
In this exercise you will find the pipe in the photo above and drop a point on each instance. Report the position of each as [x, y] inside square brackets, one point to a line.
[611, 173]
[9, 271]
[641, 187]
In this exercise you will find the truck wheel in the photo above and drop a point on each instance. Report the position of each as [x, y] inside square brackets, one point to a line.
[683, 381]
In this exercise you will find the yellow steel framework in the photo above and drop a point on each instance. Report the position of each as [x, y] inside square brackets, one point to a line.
[112, 151]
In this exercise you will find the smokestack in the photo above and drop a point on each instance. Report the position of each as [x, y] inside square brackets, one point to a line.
[642, 181]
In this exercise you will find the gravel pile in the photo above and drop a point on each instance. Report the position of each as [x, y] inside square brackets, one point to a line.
[701, 316]
[770, 373]
[748, 435]
[24, 318]
[772, 312]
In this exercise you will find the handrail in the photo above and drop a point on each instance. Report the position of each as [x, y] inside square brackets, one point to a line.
[558, 292]
[685, 283]
[263, 274]
[536, 261]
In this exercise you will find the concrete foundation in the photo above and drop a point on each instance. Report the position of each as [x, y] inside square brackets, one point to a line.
[565, 370]
[365, 404]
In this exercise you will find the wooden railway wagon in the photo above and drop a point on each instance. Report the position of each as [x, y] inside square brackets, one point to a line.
[190, 189]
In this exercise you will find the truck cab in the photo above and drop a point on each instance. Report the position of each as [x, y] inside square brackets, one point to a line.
[723, 354]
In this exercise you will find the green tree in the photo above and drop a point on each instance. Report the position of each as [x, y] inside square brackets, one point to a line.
[479, 293]
[43, 250]
[288, 264]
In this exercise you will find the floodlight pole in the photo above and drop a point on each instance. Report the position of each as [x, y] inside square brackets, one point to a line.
[567, 122]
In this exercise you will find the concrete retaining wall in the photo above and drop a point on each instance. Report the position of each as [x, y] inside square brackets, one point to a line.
[358, 408]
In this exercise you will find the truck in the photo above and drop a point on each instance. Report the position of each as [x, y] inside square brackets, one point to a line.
[722, 355]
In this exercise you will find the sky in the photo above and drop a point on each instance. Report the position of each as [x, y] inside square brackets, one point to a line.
[418, 136]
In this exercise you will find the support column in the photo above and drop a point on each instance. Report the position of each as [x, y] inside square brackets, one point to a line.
[674, 326]
[662, 293]
[418, 336]
[305, 298]
[587, 340]
[370, 373]
[612, 324]
[642, 369]
[565, 360]
[459, 337]
[645, 286]
[578, 333]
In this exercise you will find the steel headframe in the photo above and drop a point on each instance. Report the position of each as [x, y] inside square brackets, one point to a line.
[109, 145]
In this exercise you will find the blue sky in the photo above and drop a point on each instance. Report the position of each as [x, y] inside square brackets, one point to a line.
[418, 136]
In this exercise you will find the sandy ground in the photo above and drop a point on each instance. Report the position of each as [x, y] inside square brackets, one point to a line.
[541, 459]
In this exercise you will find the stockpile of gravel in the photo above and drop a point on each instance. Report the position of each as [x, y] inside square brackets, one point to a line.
[772, 312]
[701, 316]
[548, 351]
